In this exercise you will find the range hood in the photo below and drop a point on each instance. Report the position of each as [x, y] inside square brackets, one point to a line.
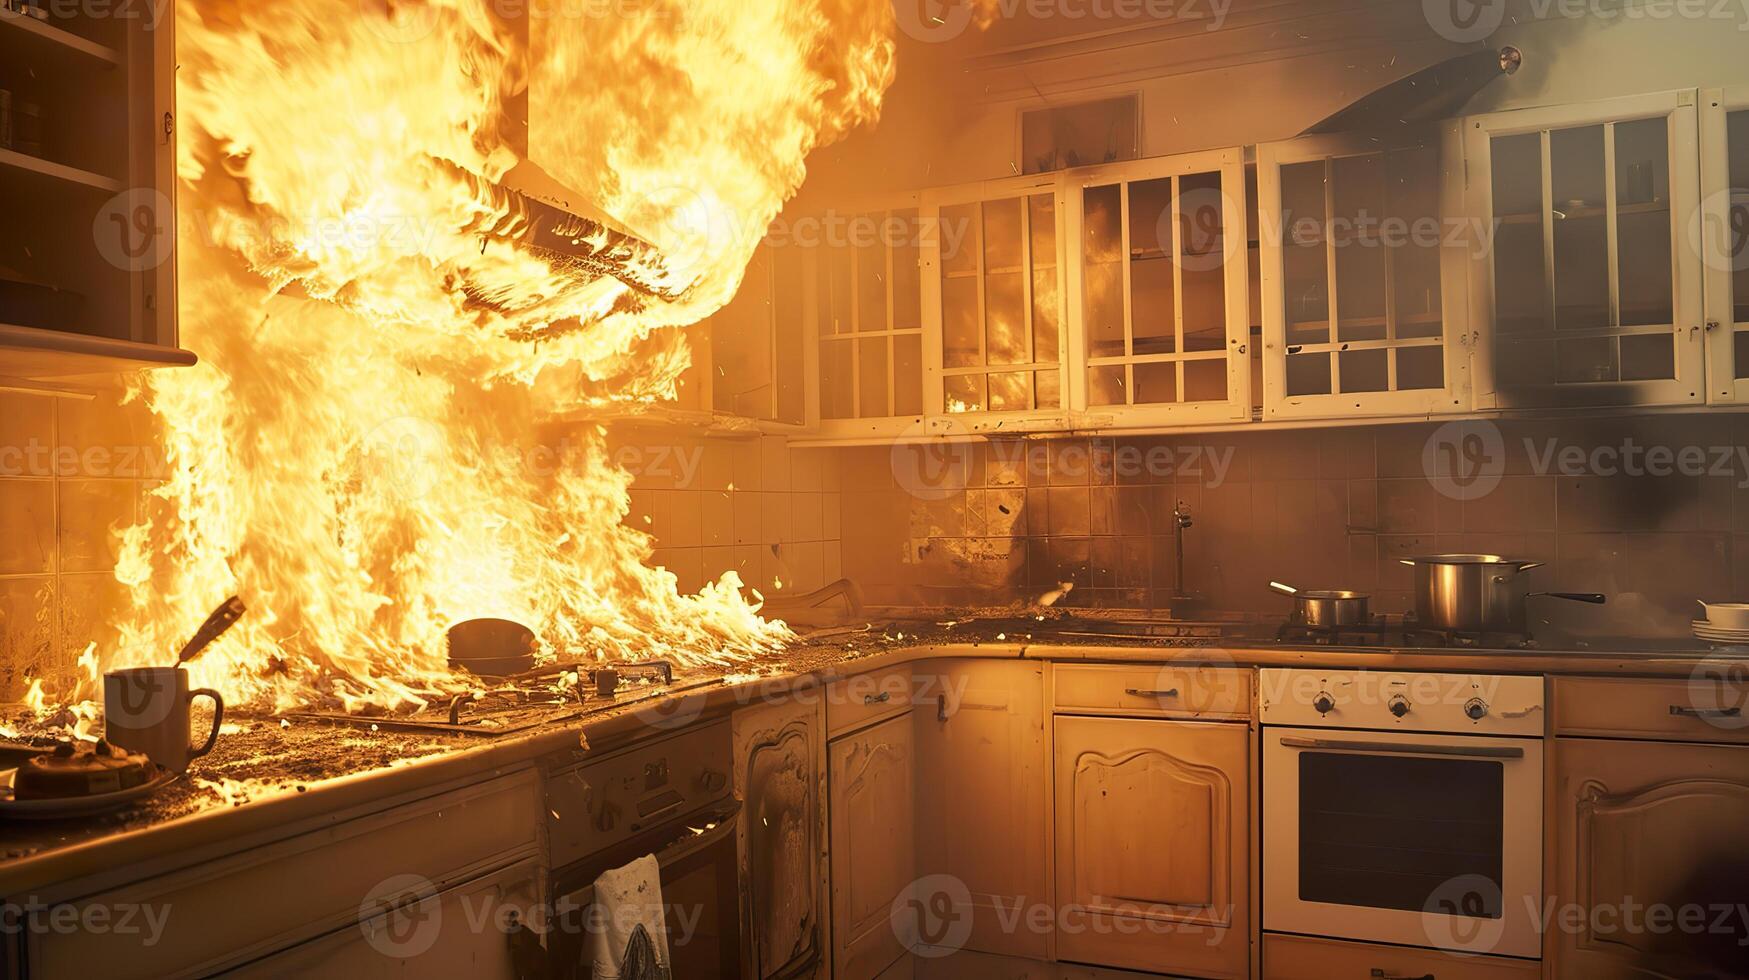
[1436, 92]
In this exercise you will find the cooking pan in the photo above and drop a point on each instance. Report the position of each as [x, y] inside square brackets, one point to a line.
[491, 647]
[1326, 607]
[1478, 593]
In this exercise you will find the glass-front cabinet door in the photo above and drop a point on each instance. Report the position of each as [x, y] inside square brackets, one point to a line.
[868, 313]
[1362, 246]
[1589, 292]
[1158, 278]
[1722, 234]
[993, 287]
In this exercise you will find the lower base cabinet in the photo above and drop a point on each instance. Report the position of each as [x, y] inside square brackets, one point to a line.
[1303, 958]
[1153, 845]
[870, 780]
[1652, 860]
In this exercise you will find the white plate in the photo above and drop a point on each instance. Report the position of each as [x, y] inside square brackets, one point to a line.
[1702, 626]
[75, 806]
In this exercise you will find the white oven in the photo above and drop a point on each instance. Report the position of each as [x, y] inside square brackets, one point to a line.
[1404, 808]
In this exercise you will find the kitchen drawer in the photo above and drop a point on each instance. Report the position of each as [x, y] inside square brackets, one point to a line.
[232, 910]
[859, 701]
[1166, 691]
[1702, 709]
[1301, 958]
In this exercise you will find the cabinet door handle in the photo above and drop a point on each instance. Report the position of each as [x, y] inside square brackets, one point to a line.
[1136, 692]
[881, 698]
[1682, 712]
[1378, 974]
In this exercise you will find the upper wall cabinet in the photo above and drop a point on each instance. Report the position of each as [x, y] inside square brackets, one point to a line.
[1723, 236]
[994, 302]
[87, 159]
[757, 366]
[868, 313]
[1590, 293]
[1159, 279]
[1362, 257]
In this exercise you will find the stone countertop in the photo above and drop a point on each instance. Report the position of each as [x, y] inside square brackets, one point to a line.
[266, 776]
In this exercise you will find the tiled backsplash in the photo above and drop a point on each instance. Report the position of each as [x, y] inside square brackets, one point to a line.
[1315, 508]
[751, 504]
[72, 472]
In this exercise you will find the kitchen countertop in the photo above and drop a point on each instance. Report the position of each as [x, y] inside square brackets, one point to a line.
[266, 777]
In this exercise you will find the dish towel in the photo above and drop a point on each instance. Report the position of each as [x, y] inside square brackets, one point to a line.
[629, 940]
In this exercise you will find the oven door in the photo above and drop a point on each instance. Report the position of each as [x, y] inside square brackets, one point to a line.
[699, 888]
[1394, 837]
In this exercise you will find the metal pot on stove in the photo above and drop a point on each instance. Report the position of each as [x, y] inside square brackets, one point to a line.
[1479, 593]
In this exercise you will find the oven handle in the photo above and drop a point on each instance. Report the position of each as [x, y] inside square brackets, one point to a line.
[1403, 748]
[682, 849]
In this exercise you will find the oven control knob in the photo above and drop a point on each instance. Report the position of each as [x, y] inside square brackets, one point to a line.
[711, 780]
[1399, 705]
[1477, 709]
[1324, 703]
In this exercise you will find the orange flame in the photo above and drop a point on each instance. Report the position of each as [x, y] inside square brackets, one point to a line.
[355, 455]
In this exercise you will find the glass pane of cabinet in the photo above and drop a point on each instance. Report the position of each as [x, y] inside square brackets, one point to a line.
[1156, 299]
[1358, 237]
[1584, 260]
[869, 306]
[1001, 305]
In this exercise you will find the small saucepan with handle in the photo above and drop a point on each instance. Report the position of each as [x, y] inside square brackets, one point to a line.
[1326, 607]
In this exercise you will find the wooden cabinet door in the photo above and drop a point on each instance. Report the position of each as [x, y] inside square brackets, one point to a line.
[870, 810]
[982, 790]
[780, 771]
[1153, 839]
[1643, 826]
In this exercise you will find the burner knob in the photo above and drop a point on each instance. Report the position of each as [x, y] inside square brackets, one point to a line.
[1398, 704]
[1324, 703]
[710, 780]
[1477, 709]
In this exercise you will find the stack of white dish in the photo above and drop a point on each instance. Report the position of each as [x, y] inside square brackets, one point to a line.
[1724, 623]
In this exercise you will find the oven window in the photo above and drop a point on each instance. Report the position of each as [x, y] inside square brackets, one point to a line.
[1385, 832]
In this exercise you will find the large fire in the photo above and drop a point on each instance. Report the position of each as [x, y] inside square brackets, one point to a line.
[355, 454]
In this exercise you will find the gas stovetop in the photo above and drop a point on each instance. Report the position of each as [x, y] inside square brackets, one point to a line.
[1384, 632]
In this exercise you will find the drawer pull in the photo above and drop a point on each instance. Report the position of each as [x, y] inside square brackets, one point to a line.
[1682, 712]
[1137, 692]
[1379, 974]
[881, 698]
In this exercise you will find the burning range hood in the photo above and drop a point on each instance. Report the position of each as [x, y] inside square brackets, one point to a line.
[1436, 92]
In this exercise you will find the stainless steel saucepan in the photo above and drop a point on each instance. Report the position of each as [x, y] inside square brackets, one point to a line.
[1478, 593]
[1326, 607]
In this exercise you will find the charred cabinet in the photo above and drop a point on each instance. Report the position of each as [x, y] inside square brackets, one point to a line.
[1723, 233]
[1590, 292]
[1652, 795]
[873, 847]
[1362, 247]
[780, 779]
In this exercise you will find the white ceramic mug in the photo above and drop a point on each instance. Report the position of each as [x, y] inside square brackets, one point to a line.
[146, 709]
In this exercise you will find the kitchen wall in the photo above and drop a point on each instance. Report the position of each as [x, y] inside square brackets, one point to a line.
[994, 523]
[71, 473]
[748, 503]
